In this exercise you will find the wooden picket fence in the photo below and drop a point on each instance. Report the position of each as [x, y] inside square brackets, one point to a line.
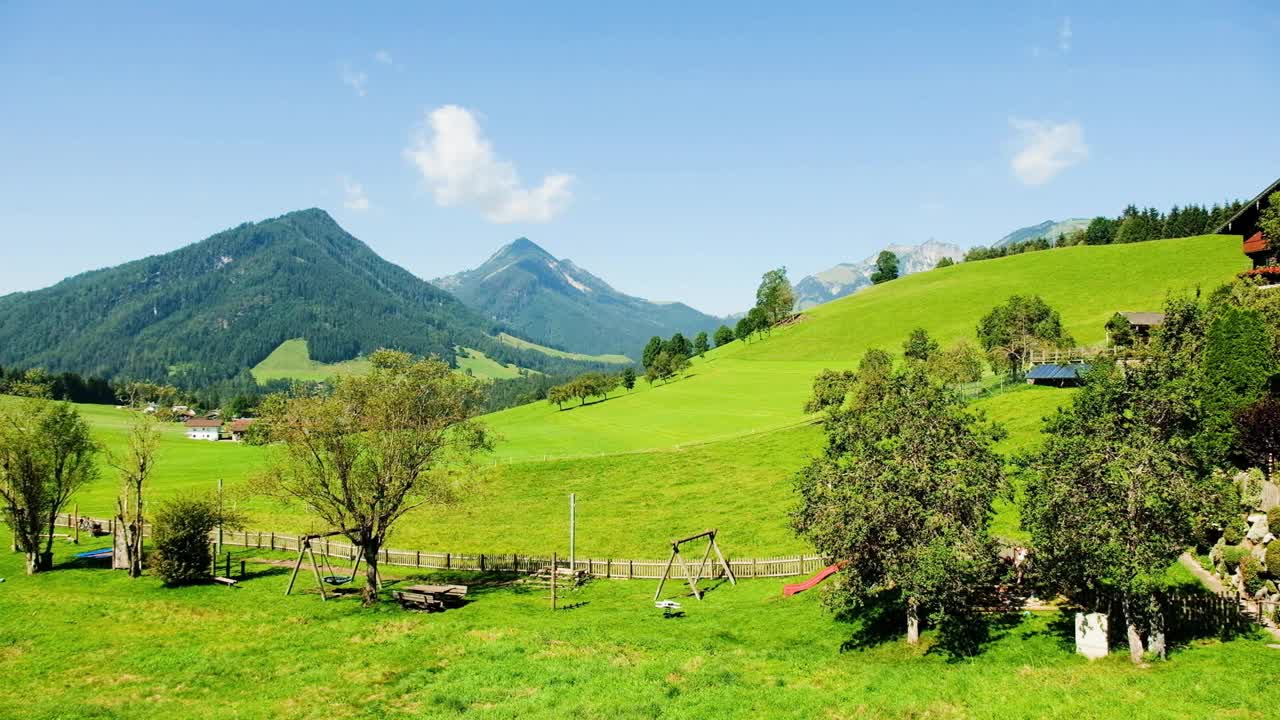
[616, 568]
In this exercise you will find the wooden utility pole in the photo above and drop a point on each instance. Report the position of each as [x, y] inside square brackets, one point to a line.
[554, 572]
[218, 550]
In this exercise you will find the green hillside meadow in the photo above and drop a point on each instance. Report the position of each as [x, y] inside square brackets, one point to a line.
[717, 448]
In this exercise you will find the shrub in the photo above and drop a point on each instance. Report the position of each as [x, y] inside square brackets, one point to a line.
[1232, 555]
[1273, 520]
[180, 533]
[1233, 534]
[1251, 574]
[1273, 558]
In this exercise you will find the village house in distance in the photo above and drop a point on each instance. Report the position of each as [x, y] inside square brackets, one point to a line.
[212, 429]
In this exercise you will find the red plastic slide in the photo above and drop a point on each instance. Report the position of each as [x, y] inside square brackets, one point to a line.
[823, 574]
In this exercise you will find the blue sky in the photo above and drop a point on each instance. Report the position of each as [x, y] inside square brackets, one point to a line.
[676, 150]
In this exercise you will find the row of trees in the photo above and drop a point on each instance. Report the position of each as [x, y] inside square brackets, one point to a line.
[589, 385]
[1131, 472]
[1132, 225]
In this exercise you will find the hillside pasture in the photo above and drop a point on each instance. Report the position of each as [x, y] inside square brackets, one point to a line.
[520, 344]
[292, 361]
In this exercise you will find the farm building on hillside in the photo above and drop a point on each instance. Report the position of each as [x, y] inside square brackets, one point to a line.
[203, 429]
[1058, 375]
[238, 427]
[1141, 323]
[1245, 224]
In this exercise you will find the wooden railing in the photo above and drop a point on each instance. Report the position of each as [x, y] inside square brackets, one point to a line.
[618, 568]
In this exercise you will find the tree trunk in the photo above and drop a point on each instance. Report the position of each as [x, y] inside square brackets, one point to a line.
[370, 596]
[913, 622]
[1155, 631]
[33, 562]
[1133, 631]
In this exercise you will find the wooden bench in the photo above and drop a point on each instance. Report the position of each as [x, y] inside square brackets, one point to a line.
[417, 601]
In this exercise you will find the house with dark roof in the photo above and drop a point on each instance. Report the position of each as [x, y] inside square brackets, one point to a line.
[1142, 323]
[1058, 374]
[1245, 224]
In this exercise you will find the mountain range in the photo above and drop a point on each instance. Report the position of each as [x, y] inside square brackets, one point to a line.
[1050, 229]
[554, 302]
[848, 278]
[213, 309]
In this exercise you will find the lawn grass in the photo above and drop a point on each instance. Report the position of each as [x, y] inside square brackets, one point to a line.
[91, 643]
[292, 361]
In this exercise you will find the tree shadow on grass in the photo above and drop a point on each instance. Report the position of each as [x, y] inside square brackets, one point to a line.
[879, 620]
[969, 635]
[882, 619]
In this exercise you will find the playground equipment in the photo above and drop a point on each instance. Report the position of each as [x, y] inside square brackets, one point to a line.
[333, 579]
[823, 574]
[693, 578]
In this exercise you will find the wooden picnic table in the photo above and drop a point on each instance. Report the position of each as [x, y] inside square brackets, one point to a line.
[431, 597]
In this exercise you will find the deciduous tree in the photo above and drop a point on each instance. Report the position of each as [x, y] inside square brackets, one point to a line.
[1114, 494]
[724, 335]
[902, 495]
[379, 446]
[886, 268]
[135, 465]
[774, 296]
[46, 455]
[919, 346]
[1012, 330]
[700, 344]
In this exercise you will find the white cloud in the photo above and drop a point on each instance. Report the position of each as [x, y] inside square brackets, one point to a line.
[1046, 149]
[383, 57]
[353, 195]
[355, 80]
[1064, 35]
[459, 165]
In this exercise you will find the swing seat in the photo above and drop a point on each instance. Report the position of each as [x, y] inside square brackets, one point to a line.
[337, 580]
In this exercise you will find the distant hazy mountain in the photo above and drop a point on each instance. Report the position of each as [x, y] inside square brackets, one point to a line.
[847, 278]
[1050, 229]
[557, 303]
[215, 308]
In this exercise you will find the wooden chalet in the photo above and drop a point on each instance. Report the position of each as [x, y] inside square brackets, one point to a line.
[1142, 323]
[238, 427]
[1245, 224]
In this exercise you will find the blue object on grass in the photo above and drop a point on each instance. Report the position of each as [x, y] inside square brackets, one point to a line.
[95, 554]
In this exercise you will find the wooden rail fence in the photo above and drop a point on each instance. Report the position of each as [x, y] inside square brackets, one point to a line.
[618, 568]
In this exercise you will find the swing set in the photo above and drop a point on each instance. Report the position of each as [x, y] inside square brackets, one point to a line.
[692, 577]
[332, 579]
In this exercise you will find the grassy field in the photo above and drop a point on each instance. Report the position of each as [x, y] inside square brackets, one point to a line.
[628, 503]
[483, 366]
[516, 342]
[91, 643]
[748, 387]
[292, 361]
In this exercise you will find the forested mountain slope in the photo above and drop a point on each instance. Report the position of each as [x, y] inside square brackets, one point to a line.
[555, 302]
[213, 309]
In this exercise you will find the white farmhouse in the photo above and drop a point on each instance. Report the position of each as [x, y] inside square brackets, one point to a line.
[203, 429]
